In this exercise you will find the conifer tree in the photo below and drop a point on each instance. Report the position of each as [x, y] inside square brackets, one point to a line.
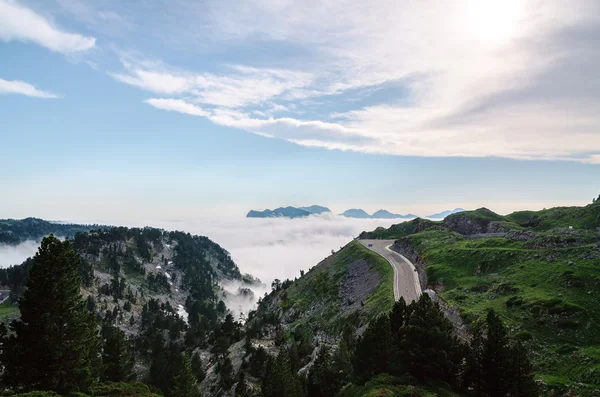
[324, 378]
[225, 370]
[495, 358]
[241, 390]
[116, 356]
[185, 384]
[430, 349]
[473, 374]
[374, 351]
[55, 342]
[520, 372]
[279, 381]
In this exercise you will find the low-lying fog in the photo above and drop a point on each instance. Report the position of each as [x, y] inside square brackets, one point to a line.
[16, 254]
[267, 248]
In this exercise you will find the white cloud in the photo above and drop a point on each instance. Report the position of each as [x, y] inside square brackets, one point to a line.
[506, 78]
[177, 105]
[22, 24]
[23, 88]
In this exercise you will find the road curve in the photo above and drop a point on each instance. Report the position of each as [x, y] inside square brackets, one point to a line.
[406, 279]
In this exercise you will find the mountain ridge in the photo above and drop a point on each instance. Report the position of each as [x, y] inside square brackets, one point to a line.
[445, 213]
[357, 213]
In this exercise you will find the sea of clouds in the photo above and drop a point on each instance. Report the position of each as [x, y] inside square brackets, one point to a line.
[267, 248]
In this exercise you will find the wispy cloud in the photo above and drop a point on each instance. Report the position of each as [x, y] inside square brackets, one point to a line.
[23, 24]
[177, 105]
[23, 88]
[238, 86]
[513, 78]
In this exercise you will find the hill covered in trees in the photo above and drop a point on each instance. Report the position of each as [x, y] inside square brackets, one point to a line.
[155, 299]
[13, 231]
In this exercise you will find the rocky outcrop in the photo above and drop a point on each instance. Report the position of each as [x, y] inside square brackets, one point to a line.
[461, 330]
[357, 285]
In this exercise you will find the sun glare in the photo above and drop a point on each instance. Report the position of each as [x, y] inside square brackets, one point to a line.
[492, 21]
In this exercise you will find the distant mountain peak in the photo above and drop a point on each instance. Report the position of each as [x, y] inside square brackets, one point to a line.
[288, 212]
[443, 214]
[385, 214]
[356, 213]
[315, 209]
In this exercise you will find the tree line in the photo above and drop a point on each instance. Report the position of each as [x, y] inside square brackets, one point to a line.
[413, 343]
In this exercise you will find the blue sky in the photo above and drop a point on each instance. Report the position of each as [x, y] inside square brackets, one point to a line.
[151, 109]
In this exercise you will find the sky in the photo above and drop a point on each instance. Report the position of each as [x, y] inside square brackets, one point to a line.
[163, 111]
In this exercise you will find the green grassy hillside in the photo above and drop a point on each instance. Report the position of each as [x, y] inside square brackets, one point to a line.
[483, 220]
[352, 285]
[548, 296]
[403, 229]
[587, 217]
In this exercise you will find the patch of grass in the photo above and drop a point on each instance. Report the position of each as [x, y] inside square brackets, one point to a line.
[8, 311]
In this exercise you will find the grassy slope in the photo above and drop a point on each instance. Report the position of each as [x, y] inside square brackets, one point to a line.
[321, 284]
[587, 217]
[403, 229]
[553, 303]
[584, 218]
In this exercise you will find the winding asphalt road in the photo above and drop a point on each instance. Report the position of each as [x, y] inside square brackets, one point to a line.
[406, 279]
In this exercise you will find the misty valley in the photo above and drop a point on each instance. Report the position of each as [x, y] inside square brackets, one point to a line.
[502, 308]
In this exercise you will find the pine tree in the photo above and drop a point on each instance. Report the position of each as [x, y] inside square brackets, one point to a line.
[473, 374]
[520, 372]
[225, 370]
[279, 381]
[116, 356]
[374, 351]
[241, 390]
[185, 383]
[495, 357]
[430, 349]
[324, 378]
[399, 316]
[55, 342]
